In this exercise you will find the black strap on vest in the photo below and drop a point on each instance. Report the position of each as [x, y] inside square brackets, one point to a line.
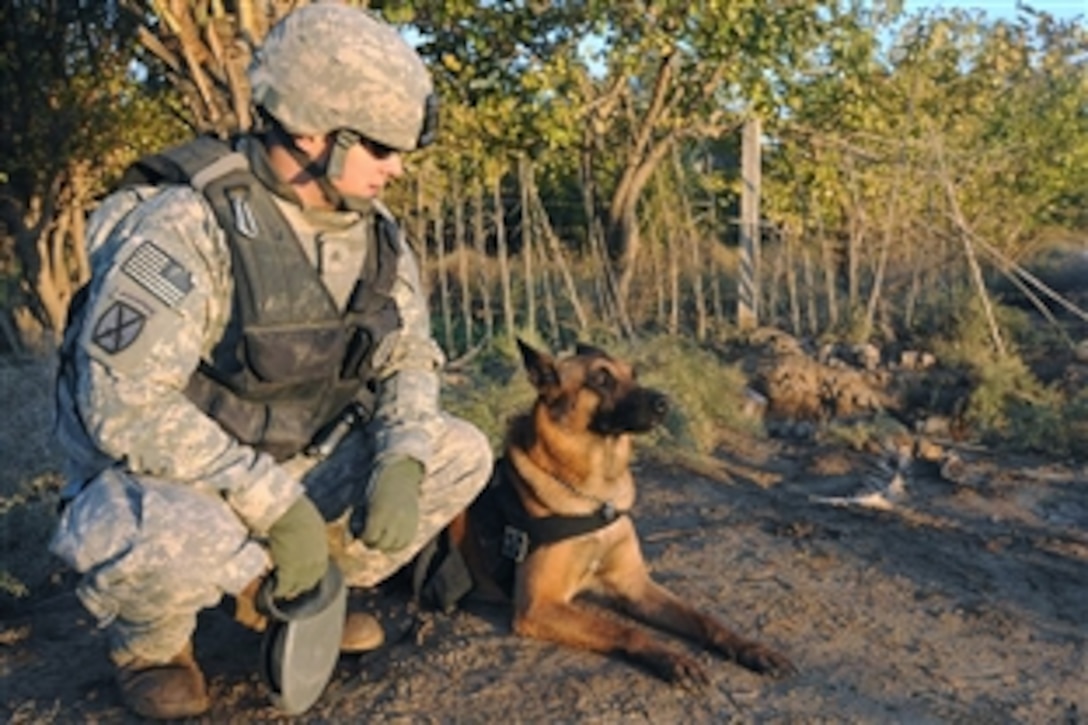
[184, 164]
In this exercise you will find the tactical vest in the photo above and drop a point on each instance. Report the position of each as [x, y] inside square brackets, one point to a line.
[290, 364]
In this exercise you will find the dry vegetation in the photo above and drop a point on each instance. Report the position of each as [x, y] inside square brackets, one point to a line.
[955, 595]
[881, 513]
[29, 479]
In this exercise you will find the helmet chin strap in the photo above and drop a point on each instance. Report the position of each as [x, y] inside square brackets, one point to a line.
[343, 140]
[324, 174]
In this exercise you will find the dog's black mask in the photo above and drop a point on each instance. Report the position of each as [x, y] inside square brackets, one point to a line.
[637, 411]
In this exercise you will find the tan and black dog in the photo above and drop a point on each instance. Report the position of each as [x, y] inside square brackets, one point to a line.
[564, 489]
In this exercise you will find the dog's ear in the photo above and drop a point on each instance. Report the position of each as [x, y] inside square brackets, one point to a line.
[539, 365]
[581, 348]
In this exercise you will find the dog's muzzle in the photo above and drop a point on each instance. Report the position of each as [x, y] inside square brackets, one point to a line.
[637, 412]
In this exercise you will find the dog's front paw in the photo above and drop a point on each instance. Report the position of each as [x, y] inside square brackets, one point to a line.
[680, 670]
[765, 661]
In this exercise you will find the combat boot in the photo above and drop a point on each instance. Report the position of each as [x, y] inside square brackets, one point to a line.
[362, 631]
[162, 690]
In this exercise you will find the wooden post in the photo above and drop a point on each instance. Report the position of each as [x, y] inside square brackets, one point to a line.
[748, 275]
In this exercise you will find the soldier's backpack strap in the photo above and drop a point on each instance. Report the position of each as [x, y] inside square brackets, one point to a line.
[196, 163]
[243, 208]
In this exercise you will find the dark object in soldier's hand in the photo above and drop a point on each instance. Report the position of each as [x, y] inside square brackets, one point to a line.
[302, 643]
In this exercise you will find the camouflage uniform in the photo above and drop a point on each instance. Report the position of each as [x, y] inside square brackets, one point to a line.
[165, 509]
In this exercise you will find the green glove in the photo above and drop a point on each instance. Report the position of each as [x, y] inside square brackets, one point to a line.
[392, 511]
[299, 549]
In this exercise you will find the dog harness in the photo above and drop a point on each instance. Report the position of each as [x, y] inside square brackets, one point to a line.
[503, 524]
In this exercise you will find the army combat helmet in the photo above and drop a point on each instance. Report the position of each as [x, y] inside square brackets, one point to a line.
[328, 68]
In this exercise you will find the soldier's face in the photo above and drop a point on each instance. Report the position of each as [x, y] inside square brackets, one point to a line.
[368, 167]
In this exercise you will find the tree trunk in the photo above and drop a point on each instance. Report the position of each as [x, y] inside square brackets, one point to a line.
[443, 281]
[461, 250]
[527, 246]
[692, 240]
[657, 269]
[556, 249]
[969, 251]
[549, 296]
[502, 251]
[827, 255]
[646, 154]
[207, 49]
[479, 244]
[421, 238]
[777, 270]
[51, 256]
[674, 279]
[812, 309]
[657, 265]
[791, 281]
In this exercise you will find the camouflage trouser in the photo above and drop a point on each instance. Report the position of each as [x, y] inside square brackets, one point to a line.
[154, 553]
[456, 473]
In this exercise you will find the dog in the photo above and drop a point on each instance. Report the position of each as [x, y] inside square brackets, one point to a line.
[564, 491]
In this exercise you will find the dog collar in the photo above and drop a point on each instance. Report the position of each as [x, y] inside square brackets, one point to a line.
[606, 509]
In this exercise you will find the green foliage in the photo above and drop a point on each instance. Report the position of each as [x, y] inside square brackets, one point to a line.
[1013, 409]
[1008, 405]
[73, 117]
[962, 337]
[961, 122]
[70, 98]
[1075, 424]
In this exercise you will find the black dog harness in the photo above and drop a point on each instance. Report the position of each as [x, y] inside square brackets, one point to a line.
[502, 522]
[505, 533]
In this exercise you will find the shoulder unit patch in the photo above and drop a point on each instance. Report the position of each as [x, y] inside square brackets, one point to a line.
[118, 327]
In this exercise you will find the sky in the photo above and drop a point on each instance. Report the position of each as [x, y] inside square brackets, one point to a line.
[1006, 9]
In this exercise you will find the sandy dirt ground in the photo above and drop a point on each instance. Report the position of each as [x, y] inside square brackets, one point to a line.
[963, 599]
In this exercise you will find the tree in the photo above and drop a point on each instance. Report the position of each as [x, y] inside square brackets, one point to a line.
[73, 118]
[664, 73]
[961, 128]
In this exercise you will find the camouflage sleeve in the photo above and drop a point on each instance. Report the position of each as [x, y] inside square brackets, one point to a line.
[160, 300]
[408, 362]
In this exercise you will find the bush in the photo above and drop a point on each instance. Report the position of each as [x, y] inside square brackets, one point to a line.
[1008, 404]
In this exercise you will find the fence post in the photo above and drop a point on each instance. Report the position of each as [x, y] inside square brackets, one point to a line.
[751, 179]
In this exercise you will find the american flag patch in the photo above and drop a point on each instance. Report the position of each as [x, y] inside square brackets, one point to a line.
[159, 273]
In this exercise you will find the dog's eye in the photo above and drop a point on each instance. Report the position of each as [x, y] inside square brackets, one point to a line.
[602, 380]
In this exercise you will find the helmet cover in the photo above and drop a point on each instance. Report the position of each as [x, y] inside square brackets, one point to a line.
[327, 66]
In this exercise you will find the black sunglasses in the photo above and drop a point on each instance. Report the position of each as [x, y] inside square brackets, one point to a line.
[378, 150]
